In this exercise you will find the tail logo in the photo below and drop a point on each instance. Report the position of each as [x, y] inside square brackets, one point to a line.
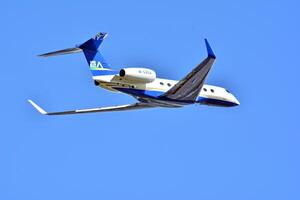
[96, 64]
[100, 36]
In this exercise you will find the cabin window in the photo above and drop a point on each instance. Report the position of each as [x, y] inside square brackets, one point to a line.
[204, 89]
[212, 90]
[161, 83]
[169, 84]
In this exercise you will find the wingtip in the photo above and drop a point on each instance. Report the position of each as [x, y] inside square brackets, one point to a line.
[38, 108]
[44, 55]
[209, 49]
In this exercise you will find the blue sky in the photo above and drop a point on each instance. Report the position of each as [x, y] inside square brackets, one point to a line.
[197, 152]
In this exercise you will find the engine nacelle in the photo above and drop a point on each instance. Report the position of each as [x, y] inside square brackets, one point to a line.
[138, 75]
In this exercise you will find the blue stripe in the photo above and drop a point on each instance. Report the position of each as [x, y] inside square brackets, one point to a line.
[157, 94]
[103, 72]
[140, 93]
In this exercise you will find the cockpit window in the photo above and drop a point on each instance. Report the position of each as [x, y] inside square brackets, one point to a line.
[227, 91]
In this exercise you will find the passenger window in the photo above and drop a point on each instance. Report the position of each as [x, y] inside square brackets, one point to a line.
[205, 90]
[161, 83]
[212, 90]
[169, 84]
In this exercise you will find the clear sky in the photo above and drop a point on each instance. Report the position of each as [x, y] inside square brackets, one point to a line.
[197, 152]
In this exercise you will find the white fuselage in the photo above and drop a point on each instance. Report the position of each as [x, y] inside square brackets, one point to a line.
[160, 86]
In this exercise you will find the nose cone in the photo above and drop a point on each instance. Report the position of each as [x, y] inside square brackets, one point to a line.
[231, 99]
[235, 101]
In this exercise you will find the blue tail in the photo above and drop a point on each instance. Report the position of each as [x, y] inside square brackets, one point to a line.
[98, 65]
[92, 55]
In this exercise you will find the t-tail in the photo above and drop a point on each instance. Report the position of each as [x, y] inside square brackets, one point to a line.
[95, 60]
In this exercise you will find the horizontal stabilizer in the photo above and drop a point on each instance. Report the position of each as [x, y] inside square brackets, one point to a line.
[62, 52]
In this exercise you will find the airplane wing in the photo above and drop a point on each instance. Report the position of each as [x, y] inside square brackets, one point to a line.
[189, 87]
[92, 110]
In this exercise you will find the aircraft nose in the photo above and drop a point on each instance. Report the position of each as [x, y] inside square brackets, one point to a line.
[235, 101]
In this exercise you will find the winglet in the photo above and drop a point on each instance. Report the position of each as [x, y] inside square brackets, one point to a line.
[41, 110]
[209, 50]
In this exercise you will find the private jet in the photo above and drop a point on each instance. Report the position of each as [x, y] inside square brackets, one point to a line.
[143, 84]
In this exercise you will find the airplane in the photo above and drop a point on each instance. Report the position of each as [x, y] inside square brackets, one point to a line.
[142, 83]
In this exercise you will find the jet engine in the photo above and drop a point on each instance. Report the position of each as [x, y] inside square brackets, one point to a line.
[138, 75]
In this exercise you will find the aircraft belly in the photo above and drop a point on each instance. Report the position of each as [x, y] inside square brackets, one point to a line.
[161, 103]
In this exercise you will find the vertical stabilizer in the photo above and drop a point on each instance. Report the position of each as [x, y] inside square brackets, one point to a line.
[92, 55]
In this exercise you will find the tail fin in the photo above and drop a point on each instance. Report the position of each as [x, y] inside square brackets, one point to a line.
[92, 55]
[90, 49]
